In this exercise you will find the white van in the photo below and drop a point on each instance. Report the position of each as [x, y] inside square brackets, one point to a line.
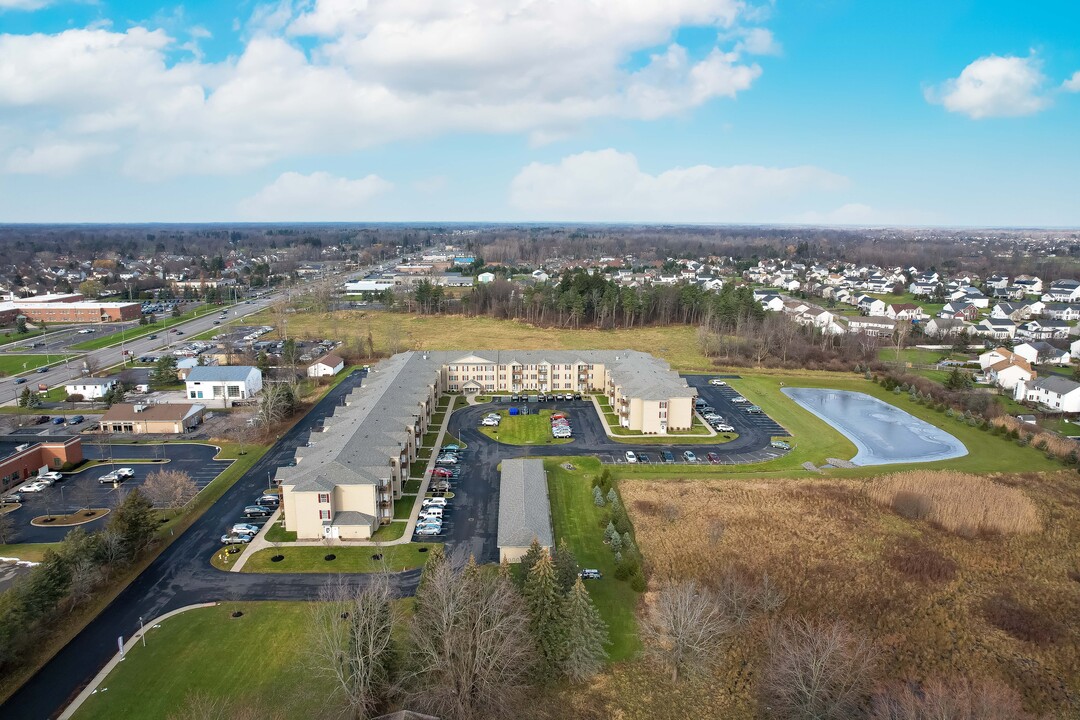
[432, 512]
[434, 502]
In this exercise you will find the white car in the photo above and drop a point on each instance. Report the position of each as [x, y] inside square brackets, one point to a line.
[51, 476]
[125, 473]
[724, 428]
[32, 487]
[110, 477]
[739, 399]
[429, 530]
[244, 529]
[433, 502]
[717, 382]
[631, 457]
[489, 422]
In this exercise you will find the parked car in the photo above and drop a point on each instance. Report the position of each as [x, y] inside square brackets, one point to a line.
[110, 477]
[717, 382]
[32, 487]
[11, 498]
[433, 502]
[754, 410]
[631, 457]
[489, 422]
[577, 396]
[58, 421]
[780, 445]
[689, 456]
[643, 458]
[429, 530]
[244, 529]
[257, 511]
[667, 456]
[442, 486]
[41, 419]
[268, 500]
[235, 539]
[75, 420]
[724, 428]
[450, 448]
[714, 458]
[51, 476]
[591, 574]
[739, 400]
[125, 473]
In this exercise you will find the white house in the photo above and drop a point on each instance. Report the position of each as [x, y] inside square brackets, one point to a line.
[1063, 291]
[1062, 311]
[326, 366]
[871, 306]
[905, 311]
[946, 326]
[874, 326]
[91, 388]
[485, 277]
[1052, 391]
[1043, 330]
[997, 329]
[1007, 373]
[225, 384]
[1038, 352]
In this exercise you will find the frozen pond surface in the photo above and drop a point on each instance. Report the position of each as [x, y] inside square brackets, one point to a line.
[883, 433]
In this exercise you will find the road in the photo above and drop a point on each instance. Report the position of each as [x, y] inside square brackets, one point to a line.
[180, 576]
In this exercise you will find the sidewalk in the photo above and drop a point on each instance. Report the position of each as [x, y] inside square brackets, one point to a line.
[658, 437]
[259, 542]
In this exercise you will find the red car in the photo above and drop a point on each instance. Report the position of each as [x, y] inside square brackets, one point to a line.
[713, 458]
[441, 472]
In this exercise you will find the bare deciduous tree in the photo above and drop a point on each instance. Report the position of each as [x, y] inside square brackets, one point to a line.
[277, 403]
[960, 699]
[684, 626]
[471, 648]
[351, 635]
[202, 706]
[816, 670]
[171, 489]
[7, 528]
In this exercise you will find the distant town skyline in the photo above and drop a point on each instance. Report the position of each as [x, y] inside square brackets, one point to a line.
[825, 112]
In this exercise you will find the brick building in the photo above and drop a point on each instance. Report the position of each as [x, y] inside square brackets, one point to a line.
[21, 458]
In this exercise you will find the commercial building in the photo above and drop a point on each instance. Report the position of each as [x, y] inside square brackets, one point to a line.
[344, 485]
[226, 384]
[524, 512]
[161, 418]
[21, 458]
[67, 309]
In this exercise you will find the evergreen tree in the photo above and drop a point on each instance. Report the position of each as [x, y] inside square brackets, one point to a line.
[545, 616]
[612, 496]
[20, 325]
[598, 497]
[164, 372]
[610, 533]
[528, 560]
[616, 543]
[134, 521]
[566, 567]
[29, 399]
[586, 635]
[628, 545]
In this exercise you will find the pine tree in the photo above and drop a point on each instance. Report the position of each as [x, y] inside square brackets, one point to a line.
[628, 545]
[612, 496]
[598, 497]
[134, 521]
[610, 533]
[616, 543]
[436, 558]
[545, 612]
[528, 560]
[566, 567]
[505, 571]
[586, 635]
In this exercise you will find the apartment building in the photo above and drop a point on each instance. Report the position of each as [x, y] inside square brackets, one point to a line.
[344, 485]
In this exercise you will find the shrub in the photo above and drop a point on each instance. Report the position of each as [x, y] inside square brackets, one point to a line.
[956, 699]
[964, 504]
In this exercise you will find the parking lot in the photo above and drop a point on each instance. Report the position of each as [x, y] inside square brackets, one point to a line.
[82, 489]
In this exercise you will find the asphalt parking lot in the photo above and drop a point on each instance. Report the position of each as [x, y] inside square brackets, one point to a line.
[81, 489]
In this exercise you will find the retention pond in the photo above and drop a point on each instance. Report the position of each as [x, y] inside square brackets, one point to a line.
[883, 433]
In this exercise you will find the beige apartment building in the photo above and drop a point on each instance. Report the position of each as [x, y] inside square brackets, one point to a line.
[344, 485]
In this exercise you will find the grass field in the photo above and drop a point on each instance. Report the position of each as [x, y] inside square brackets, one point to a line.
[677, 344]
[921, 356]
[930, 308]
[935, 603]
[255, 658]
[575, 518]
[33, 552]
[524, 429]
[14, 364]
[349, 559]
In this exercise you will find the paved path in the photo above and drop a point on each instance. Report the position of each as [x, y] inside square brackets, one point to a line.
[182, 576]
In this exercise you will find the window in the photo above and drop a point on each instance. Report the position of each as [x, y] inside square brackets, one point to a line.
[324, 497]
[324, 514]
[233, 390]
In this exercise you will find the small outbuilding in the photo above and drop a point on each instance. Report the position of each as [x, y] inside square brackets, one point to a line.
[326, 366]
[524, 512]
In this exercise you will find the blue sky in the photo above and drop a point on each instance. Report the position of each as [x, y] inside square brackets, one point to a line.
[793, 111]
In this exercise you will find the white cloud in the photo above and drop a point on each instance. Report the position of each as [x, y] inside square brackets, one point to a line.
[609, 185]
[340, 75]
[759, 41]
[315, 197]
[23, 4]
[54, 159]
[1073, 83]
[994, 86]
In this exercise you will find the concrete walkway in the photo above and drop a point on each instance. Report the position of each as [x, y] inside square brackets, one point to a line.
[100, 677]
[259, 542]
[656, 438]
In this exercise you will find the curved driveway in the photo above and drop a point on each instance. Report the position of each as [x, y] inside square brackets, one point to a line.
[181, 576]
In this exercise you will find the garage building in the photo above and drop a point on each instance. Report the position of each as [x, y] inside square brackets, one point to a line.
[524, 512]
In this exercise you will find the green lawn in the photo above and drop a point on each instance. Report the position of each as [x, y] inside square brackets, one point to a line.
[350, 559]
[403, 506]
[919, 356]
[393, 531]
[255, 658]
[33, 552]
[278, 534]
[524, 429]
[139, 331]
[930, 308]
[14, 364]
[576, 519]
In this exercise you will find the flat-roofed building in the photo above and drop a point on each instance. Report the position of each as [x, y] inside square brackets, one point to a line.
[159, 419]
[524, 512]
[22, 458]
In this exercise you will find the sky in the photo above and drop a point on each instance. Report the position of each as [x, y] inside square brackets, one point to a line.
[821, 112]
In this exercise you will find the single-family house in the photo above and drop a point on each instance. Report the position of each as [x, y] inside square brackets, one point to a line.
[1043, 330]
[991, 357]
[1051, 391]
[959, 310]
[996, 328]
[226, 384]
[326, 366]
[905, 311]
[1063, 291]
[1007, 373]
[1061, 311]
[943, 327]
[871, 306]
[1031, 285]
[1015, 311]
[91, 388]
[873, 325]
[1040, 352]
[772, 302]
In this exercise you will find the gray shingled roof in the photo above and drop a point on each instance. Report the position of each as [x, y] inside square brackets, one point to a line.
[524, 512]
[219, 373]
[1056, 384]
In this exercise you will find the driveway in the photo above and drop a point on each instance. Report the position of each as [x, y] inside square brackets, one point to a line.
[181, 576]
[82, 489]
